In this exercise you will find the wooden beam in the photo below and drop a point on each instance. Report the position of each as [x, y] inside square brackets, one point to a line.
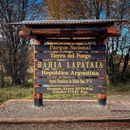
[67, 32]
[111, 32]
[70, 40]
[98, 33]
[24, 33]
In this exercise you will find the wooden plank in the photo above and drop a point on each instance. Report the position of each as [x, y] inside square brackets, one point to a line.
[69, 41]
[70, 65]
[65, 55]
[72, 89]
[75, 81]
[61, 32]
[70, 73]
[61, 48]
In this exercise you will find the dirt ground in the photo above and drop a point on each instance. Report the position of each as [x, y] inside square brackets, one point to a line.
[25, 109]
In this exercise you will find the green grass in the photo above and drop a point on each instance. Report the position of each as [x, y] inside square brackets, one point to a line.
[15, 92]
[25, 91]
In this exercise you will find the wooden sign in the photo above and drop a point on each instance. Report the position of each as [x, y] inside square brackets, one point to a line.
[70, 68]
[89, 47]
[71, 89]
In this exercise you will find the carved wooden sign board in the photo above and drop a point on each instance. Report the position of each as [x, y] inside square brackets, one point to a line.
[70, 68]
[74, 58]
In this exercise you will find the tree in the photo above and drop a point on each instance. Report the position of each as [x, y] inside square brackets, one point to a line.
[14, 51]
[66, 9]
[75, 9]
[118, 48]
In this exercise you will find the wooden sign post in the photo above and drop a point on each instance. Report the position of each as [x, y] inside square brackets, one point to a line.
[69, 56]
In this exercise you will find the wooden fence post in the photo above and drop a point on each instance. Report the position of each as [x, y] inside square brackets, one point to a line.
[102, 99]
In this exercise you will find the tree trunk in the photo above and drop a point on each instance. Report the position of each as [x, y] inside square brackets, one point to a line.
[124, 70]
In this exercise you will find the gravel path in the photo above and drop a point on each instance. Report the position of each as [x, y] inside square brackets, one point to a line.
[25, 109]
[120, 97]
[61, 126]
